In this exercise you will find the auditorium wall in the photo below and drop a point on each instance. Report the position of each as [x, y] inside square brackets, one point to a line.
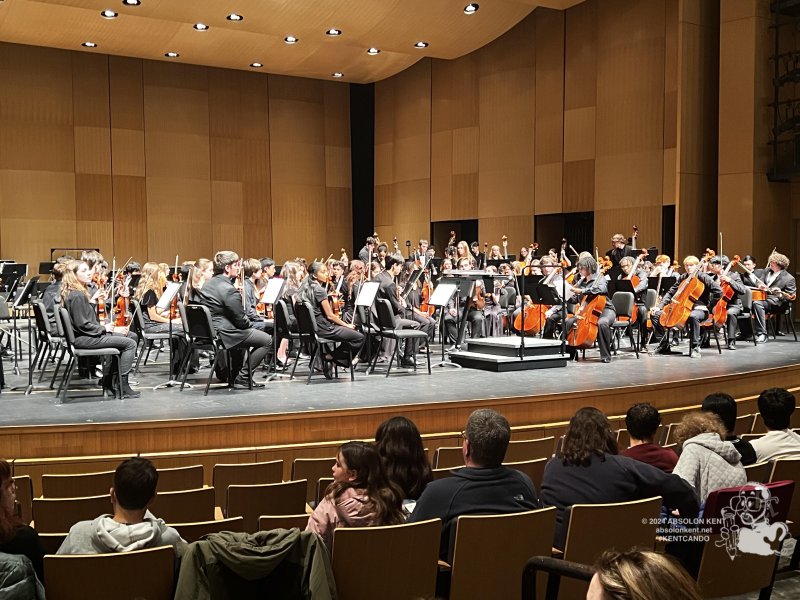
[151, 159]
[569, 111]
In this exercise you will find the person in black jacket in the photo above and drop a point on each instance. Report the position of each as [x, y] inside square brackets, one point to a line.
[15, 536]
[388, 291]
[717, 266]
[224, 302]
[484, 486]
[588, 470]
[91, 334]
[724, 406]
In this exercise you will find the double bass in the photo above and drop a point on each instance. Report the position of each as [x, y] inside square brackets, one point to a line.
[676, 313]
[721, 307]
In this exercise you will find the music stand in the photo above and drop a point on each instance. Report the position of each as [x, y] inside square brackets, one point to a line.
[172, 289]
[365, 299]
[270, 295]
[46, 268]
[663, 287]
[413, 279]
[440, 298]
[14, 273]
[25, 297]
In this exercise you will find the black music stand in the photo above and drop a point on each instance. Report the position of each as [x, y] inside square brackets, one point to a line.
[25, 297]
[522, 283]
[272, 292]
[440, 298]
[173, 287]
[365, 299]
[663, 287]
[14, 273]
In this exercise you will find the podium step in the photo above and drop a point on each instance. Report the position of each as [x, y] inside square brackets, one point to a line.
[510, 345]
[500, 363]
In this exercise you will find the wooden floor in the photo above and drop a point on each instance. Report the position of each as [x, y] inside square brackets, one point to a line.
[39, 426]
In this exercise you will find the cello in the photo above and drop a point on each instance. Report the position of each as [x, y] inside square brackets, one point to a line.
[584, 329]
[676, 313]
[721, 307]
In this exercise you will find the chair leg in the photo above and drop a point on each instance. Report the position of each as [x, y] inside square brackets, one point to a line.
[790, 320]
[58, 366]
[119, 375]
[314, 356]
[64, 376]
[145, 345]
[294, 366]
[634, 344]
[350, 355]
[428, 356]
[391, 359]
[211, 374]
[67, 379]
[716, 338]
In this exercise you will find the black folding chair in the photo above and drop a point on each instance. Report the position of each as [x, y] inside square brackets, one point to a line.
[625, 305]
[387, 329]
[309, 335]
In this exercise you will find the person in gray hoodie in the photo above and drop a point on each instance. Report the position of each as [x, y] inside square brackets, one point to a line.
[707, 462]
[131, 526]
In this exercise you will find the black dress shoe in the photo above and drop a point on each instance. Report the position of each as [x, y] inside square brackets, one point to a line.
[761, 339]
[605, 359]
[408, 363]
[241, 383]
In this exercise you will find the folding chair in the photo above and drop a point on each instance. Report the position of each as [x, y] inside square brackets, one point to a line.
[387, 330]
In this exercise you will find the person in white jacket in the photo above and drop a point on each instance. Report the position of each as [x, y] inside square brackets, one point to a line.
[707, 462]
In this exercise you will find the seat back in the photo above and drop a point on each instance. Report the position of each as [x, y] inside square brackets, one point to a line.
[788, 469]
[191, 532]
[758, 472]
[322, 486]
[623, 304]
[281, 319]
[243, 474]
[138, 323]
[744, 424]
[532, 468]
[650, 298]
[385, 314]
[252, 501]
[186, 506]
[747, 300]
[77, 485]
[80, 576]
[180, 478]
[57, 515]
[57, 318]
[448, 457]
[524, 450]
[491, 551]
[42, 322]
[51, 542]
[438, 474]
[312, 470]
[268, 522]
[199, 325]
[24, 497]
[394, 562]
[66, 323]
[725, 569]
[306, 324]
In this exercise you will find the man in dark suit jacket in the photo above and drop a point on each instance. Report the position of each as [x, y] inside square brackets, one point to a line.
[782, 290]
[388, 291]
[224, 302]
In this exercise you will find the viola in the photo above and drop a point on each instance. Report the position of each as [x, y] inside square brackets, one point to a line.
[427, 292]
[680, 307]
[721, 307]
[100, 281]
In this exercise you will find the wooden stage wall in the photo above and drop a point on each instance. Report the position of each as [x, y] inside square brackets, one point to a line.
[152, 159]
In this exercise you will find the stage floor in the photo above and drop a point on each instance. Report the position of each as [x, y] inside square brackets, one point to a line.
[446, 384]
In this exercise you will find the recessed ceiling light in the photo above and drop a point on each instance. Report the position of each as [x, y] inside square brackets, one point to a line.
[290, 39]
[200, 26]
[471, 9]
[234, 17]
[171, 54]
[108, 14]
[256, 65]
[131, 2]
[89, 45]
[333, 32]
[337, 75]
[373, 51]
[421, 45]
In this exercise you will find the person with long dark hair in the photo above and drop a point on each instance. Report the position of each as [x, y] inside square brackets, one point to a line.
[15, 536]
[588, 470]
[403, 457]
[359, 496]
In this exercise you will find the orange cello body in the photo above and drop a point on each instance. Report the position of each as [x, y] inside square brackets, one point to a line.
[427, 290]
[680, 307]
[584, 331]
[534, 318]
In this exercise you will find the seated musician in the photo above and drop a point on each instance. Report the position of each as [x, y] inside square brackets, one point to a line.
[51, 297]
[383, 251]
[414, 301]
[493, 311]
[477, 255]
[267, 270]
[717, 266]
[546, 267]
[494, 253]
[475, 316]
[640, 290]
[388, 291]
[368, 251]
[253, 273]
[421, 251]
[314, 291]
[592, 283]
[356, 275]
[751, 274]
[663, 267]
[782, 289]
[700, 309]
[224, 302]
[91, 334]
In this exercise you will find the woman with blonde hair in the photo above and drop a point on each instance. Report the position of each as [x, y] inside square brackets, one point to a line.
[148, 293]
[641, 575]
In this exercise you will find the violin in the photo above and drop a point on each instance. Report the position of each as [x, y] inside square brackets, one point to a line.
[721, 307]
[122, 306]
[680, 307]
[100, 281]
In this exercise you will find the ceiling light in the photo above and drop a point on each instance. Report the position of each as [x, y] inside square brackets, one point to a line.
[373, 51]
[89, 45]
[234, 17]
[290, 39]
[256, 65]
[337, 75]
[108, 14]
[333, 32]
[421, 45]
[200, 26]
[471, 9]
[171, 54]
[131, 2]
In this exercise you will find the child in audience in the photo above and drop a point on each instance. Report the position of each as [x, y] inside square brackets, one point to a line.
[403, 457]
[359, 496]
[15, 536]
[131, 526]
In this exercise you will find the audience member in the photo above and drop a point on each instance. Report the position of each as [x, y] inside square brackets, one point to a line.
[484, 486]
[724, 406]
[359, 496]
[642, 422]
[588, 470]
[776, 406]
[707, 462]
[15, 536]
[131, 526]
[403, 457]
[641, 575]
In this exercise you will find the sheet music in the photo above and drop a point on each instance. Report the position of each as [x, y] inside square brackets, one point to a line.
[272, 290]
[173, 287]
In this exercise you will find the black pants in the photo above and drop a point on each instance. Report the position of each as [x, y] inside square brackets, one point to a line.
[475, 318]
[426, 323]
[260, 344]
[697, 316]
[761, 308]
[126, 344]
[604, 323]
[351, 341]
[178, 346]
